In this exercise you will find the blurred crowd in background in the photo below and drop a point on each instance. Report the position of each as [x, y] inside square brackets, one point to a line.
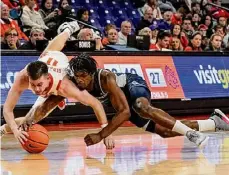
[179, 25]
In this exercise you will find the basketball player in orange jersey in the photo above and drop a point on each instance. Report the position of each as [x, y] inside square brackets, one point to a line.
[47, 78]
[129, 95]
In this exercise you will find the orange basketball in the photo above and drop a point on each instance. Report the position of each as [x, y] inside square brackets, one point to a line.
[38, 139]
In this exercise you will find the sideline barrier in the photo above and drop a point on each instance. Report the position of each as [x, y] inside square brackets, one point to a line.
[169, 75]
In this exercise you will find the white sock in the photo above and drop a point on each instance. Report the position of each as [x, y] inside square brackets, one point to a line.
[206, 125]
[180, 128]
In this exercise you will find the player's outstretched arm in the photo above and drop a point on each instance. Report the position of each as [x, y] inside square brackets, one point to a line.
[69, 90]
[65, 31]
[13, 96]
[120, 104]
[41, 111]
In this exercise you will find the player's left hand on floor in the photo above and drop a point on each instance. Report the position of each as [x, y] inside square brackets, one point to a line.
[109, 142]
[92, 139]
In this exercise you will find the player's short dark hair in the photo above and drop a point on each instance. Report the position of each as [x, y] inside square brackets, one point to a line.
[36, 69]
[83, 63]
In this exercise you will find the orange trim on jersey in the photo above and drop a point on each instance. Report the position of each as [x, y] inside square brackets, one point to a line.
[50, 84]
[49, 61]
[58, 85]
[55, 63]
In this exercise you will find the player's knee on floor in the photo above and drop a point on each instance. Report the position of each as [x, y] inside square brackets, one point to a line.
[141, 104]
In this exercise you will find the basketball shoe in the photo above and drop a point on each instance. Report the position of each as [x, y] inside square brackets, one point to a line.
[198, 138]
[221, 120]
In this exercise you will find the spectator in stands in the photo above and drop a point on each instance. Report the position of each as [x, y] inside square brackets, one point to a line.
[220, 30]
[167, 16]
[215, 43]
[49, 14]
[83, 15]
[177, 18]
[195, 20]
[154, 33]
[65, 10]
[177, 33]
[187, 27]
[146, 20]
[207, 20]
[7, 23]
[106, 29]
[203, 29]
[195, 42]
[112, 37]
[146, 31]
[125, 30]
[225, 40]
[204, 42]
[222, 21]
[87, 34]
[15, 4]
[216, 11]
[165, 5]
[10, 40]
[31, 18]
[154, 5]
[196, 8]
[151, 32]
[163, 39]
[227, 46]
[176, 44]
[35, 34]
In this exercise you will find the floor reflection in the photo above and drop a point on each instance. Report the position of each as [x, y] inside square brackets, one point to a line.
[134, 154]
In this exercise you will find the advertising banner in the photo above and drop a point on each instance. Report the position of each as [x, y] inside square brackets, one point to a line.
[167, 78]
[10, 66]
[159, 72]
[203, 76]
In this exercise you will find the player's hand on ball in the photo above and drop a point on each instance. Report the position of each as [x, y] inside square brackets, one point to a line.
[27, 122]
[92, 139]
[21, 135]
[109, 142]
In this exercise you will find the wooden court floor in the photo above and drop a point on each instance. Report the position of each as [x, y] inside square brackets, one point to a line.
[136, 152]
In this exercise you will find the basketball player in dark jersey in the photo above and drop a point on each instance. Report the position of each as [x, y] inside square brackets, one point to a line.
[130, 97]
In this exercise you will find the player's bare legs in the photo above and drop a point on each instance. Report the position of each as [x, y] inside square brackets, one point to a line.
[165, 132]
[145, 110]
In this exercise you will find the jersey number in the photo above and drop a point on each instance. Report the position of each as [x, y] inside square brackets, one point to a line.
[52, 62]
